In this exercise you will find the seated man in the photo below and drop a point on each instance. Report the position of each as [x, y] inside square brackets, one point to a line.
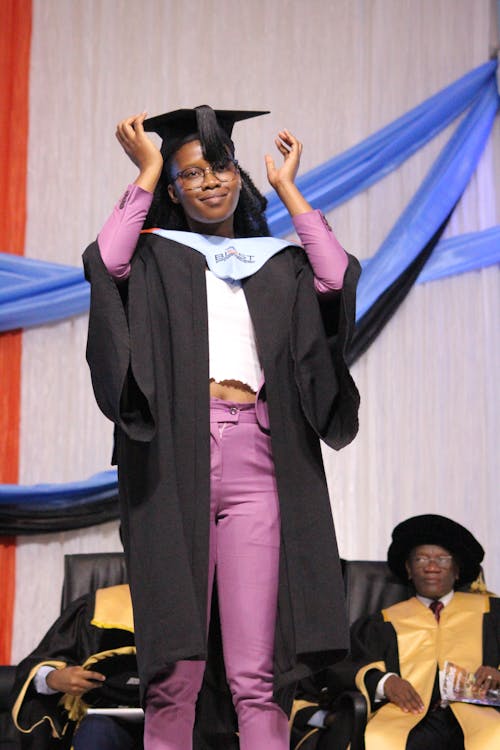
[398, 652]
[87, 658]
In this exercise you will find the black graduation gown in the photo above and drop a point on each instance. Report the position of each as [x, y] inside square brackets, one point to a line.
[71, 640]
[148, 354]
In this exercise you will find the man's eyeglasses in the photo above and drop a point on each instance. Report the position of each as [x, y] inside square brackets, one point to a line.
[442, 561]
[193, 177]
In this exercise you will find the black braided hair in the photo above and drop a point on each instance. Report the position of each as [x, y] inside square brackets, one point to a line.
[249, 216]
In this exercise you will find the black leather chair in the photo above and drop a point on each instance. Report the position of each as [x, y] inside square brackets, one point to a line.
[89, 572]
[9, 736]
[370, 586]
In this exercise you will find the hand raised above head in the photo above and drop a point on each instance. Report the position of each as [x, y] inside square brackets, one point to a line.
[291, 149]
[137, 145]
[282, 178]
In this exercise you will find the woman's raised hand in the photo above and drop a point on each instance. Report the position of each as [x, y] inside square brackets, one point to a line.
[140, 149]
[282, 178]
[290, 148]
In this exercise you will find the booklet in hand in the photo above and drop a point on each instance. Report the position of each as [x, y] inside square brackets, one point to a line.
[457, 684]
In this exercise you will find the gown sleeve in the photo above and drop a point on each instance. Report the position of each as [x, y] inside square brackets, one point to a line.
[122, 382]
[321, 332]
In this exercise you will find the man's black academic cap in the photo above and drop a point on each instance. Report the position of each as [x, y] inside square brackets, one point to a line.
[433, 529]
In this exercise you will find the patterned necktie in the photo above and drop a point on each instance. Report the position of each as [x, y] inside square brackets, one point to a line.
[436, 607]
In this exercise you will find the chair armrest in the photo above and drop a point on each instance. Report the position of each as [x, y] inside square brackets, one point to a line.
[351, 710]
[354, 702]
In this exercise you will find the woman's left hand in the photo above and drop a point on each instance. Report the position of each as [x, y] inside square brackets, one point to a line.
[291, 149]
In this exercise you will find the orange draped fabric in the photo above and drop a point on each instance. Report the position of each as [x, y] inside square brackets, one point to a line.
[15, 37]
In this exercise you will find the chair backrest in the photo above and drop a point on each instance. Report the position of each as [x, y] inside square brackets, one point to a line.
[370, 586]
[88, 572]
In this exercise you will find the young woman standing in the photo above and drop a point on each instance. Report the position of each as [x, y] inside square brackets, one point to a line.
[218, 352]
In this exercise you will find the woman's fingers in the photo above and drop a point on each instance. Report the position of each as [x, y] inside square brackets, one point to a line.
[287, 142]
[137, 145]
[128, 129]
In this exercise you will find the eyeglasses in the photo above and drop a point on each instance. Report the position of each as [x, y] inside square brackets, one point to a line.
[193, 177]
[442, 561]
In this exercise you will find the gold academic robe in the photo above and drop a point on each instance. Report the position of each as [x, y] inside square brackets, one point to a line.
[411, 643]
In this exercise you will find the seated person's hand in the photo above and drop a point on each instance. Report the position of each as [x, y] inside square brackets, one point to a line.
[73, 680]
[487, 678]
[403, 694]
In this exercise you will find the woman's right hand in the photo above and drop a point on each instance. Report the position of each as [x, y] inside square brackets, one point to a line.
[141, 150]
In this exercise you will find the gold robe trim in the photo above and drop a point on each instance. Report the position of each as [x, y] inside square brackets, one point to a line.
[360, 682]
[20, 699]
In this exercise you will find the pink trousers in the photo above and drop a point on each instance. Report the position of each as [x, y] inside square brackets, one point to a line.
[244, 555]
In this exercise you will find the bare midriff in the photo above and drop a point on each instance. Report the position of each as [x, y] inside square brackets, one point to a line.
[232, 390]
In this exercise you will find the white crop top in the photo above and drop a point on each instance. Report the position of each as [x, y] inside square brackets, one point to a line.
[231, 337]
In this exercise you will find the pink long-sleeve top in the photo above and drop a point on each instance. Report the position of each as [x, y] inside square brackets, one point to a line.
[119, 235]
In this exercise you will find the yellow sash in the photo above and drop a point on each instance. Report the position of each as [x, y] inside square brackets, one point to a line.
[113, 608]
[424, 645]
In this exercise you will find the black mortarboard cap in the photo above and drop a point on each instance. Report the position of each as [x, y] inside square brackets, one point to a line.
[214, 127]
[121, 687]
[182, 122]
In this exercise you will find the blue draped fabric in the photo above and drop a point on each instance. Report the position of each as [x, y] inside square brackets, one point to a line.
[98, 487]
[351, 172]
[452, 256]
[58, 507]
[436, 197]
[33, 292]
[467, 252]
[455, 255]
